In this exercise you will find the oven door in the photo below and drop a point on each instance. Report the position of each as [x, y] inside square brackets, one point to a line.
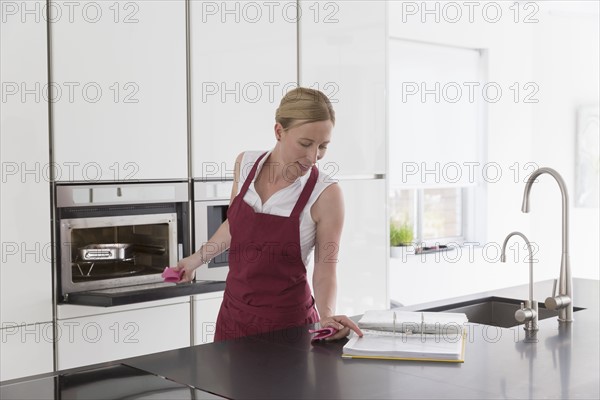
[209, 215]
[115, 251]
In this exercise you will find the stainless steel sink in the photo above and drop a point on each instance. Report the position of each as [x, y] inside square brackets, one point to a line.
[494, 311]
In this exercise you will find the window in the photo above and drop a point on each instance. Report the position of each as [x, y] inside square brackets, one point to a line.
[435, 135]
[435, 214]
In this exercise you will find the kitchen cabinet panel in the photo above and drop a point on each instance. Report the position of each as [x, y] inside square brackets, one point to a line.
[343, 54]
[243, 60]
[362, 269]
[70, 311]
[105, 337]
[26, 269]
[119, 90]
[26, 350]
[206, 310]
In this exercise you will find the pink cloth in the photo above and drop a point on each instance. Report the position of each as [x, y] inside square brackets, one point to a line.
[322, 333]
[171, 275]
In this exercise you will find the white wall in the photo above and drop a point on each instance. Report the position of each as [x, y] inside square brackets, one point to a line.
[517, 52]
[566, 66]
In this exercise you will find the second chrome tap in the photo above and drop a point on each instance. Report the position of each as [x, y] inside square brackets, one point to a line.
[529, 311]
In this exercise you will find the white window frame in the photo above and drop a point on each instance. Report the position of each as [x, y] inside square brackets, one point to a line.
[473, 196]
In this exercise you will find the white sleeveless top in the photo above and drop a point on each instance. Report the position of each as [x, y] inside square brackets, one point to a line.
[283, 201]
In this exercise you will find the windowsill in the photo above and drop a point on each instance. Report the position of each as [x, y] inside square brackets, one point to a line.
[433, 249]
[401, 251]
[411, 250]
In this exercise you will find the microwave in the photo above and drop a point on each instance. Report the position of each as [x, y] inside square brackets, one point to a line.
[113, 236]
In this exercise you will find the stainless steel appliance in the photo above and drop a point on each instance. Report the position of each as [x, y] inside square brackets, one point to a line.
[211, 201]
[119, 235]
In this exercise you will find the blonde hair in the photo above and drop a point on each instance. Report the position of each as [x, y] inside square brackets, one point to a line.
[307, 105]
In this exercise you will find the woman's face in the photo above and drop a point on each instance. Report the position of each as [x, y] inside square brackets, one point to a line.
[302, 146]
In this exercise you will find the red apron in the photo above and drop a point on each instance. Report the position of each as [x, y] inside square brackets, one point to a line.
[266, 288]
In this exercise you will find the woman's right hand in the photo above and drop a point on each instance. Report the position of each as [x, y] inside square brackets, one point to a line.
[188, 265]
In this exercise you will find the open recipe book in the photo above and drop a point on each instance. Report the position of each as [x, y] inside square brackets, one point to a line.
[408, 335]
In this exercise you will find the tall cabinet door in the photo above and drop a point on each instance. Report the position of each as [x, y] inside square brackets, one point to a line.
[363, 257]
[119, 89]
[343, 54]
[25, 269]
[243, 60]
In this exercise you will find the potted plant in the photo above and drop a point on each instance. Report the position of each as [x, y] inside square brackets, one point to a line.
[401, 235]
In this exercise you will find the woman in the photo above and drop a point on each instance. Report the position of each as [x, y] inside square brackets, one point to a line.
[282, 208]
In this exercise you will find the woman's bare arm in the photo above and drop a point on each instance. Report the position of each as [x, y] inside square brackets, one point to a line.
[328, 214]
[218, 242]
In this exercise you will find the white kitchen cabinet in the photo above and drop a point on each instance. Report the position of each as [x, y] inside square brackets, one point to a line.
[362, 270]
[26, 350]
[206, 310]
[243, 60]
[119, 83]
[98, 338]
[26, 269]
[343, 53]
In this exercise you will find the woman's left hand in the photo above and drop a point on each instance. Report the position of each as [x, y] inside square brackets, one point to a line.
[342, 323]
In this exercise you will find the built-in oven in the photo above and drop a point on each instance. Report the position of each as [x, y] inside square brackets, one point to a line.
[114, 236]
[211, 201]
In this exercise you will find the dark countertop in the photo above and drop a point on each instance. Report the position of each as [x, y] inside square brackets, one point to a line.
[564, 363]
[140, 293]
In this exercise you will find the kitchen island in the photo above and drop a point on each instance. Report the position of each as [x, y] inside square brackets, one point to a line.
[499, 363]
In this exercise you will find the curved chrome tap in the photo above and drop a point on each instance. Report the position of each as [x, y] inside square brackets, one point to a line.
[564, 301]
[528, 312]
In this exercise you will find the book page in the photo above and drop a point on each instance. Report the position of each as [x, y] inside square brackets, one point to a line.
[401, 346]
[413, 321]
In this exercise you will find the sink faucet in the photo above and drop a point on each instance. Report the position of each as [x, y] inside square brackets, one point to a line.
[564, 301]
[528, 312]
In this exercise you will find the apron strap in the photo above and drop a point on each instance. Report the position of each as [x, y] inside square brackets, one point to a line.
[250, 176]
[306, 192]
[304, 196]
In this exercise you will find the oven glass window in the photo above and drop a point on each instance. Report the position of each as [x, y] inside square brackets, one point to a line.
[118, 251]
